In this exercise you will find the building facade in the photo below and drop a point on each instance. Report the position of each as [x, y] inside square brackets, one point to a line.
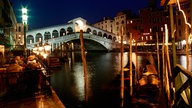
[7, 24]
[106, 24]
[19, 37]
[183, 30]
[116, 24]
[149, 23]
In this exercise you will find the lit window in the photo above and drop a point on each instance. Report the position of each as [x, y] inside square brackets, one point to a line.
[151, 37]
[161, 28]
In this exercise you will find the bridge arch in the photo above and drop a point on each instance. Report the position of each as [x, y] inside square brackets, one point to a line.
[88, 30]
[69, 30]
[105, 35]
[100, 33]
[47, 35]
[30, 39]
[94, 32]
[114, 39]
[62, 32]
[38, 37]
[110, 37]
[55, 34]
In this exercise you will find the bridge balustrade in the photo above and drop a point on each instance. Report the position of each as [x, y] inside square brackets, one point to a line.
[108, 43]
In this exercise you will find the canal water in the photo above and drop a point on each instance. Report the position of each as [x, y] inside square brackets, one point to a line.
[98, 87]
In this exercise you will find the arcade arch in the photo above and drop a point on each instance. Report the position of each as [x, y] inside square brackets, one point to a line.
[55, 34]
[38, 37]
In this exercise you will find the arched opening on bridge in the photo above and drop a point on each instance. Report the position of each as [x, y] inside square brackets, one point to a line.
[69, 30]
[99, 34]
[105, 35]
[62, 32]
[47, 35]
[110, 37]
[94, 32]
[88, 30]
[38, 37]
[30, 39]
[114, 38]
[55, 34]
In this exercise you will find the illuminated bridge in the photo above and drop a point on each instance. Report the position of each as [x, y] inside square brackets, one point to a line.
[94, 38]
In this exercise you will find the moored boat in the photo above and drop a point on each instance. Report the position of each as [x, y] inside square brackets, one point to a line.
[148, 87]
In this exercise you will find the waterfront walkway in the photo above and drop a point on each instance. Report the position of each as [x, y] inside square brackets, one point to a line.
[37, 100]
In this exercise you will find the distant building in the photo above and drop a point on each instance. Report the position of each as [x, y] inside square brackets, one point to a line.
[183, 29]
[11, 32]
[106, 24]
[120, 21]
[115, 25]
[149, 22]
[19, 37]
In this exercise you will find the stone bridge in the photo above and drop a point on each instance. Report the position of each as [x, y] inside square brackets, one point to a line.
[95, 39]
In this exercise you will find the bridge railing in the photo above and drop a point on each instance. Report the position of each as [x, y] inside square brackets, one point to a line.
[183, 87]
[108, 43]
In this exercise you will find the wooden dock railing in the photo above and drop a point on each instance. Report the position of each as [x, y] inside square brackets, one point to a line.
[183, 87]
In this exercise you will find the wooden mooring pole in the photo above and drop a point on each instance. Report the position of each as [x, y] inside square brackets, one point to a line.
[84, 64]
[122, 65]
[131, 75]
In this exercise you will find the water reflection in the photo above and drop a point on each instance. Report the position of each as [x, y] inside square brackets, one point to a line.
[80, 82]
[97, 88]
[182, 61]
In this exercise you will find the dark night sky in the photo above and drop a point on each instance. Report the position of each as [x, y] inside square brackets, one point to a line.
[43, 13]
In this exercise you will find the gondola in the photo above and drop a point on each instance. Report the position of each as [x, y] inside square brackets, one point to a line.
[147, 90]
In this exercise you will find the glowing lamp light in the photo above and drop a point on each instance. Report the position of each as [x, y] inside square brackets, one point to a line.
[47, 47]
[44, 55]
[24, 10]
[35, 49]
[24, 15]
[40, 48]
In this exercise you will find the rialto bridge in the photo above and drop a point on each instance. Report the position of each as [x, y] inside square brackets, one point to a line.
[94, 38]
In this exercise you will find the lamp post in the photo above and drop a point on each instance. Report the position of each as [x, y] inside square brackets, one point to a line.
[24, 21]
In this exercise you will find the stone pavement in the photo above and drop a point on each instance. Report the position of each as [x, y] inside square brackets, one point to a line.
[38, 100]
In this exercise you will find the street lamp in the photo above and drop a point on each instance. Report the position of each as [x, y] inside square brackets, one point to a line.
[24, 20]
